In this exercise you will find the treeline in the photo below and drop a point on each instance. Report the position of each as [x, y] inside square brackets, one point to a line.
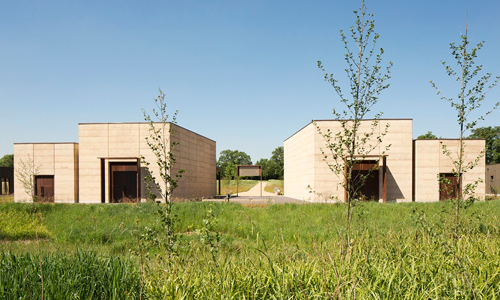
[272, 168]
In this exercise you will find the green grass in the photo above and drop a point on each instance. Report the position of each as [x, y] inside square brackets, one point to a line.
[229, 186]
[81, 275]
[6, 198]
[21, 224]
[397, 251]
[274, 183]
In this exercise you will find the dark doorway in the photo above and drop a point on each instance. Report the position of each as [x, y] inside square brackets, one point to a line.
[124, 182]
[448, 186]
[44, 188]
[365, 174]
[6, 180]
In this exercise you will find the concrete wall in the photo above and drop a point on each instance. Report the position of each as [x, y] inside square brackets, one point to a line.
[125, 142]
[305, 165]
[492, 179]
[299, 164]
[196, 155]
[431, 161]
[57, 159]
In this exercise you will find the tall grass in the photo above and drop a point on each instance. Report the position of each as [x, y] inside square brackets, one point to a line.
[397, 251]
[399, 266]
[20, 225]
[82, 275]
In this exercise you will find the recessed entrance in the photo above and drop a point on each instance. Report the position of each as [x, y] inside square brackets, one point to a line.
[124, 182]
[44, 188]
[365, 173]
[449, 187]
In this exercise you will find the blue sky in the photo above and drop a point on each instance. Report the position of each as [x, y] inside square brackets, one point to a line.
[242, 73]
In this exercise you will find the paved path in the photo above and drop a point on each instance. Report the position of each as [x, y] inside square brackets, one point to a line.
[252, 197]
[255, 191]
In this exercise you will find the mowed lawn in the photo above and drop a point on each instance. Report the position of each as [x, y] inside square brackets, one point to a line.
[229, 251]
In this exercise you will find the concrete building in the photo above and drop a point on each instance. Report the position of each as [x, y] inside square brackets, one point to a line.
[492, 179]
[430, 161]
[105, 166]
[406, 172]
[55, 166]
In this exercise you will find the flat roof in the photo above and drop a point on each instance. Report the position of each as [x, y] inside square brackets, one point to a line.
[46, 143]
[347, 120]
[117, 123]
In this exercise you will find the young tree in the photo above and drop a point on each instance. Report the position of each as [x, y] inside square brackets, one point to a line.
[162, 146]
[350, 145]
[469, 99]
[26, 173]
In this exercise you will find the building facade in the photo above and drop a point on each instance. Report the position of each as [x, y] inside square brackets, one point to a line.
[404, 170]
[107, 167]
[492, 179]
[53, 168]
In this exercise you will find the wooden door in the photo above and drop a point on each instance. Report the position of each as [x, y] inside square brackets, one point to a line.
[449, 186]
[365, 175]
[44, 188]
[124, 182]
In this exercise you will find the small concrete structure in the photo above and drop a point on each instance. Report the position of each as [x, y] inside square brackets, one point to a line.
[408, 168]
[492, 179]
[105, 166]
[430, 161]
[57, 176]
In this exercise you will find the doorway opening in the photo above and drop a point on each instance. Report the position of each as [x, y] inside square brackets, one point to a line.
[449, 186]
[44, 188]
[365, 173]
[369, 172]
[124, 182]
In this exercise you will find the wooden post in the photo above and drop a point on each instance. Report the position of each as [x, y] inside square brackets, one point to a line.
[260, 171]
[384, 182]
[345, 179]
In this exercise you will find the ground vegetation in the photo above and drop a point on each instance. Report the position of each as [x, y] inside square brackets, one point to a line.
[278, 251]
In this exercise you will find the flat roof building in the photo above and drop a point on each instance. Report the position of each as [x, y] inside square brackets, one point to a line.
[105, 166]
[492, 179]
[405, 171]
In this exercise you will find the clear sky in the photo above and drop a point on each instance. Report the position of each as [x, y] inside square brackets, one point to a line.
[242, 73]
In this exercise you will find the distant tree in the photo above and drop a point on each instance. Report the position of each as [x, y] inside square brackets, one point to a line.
[273, 168]
[266, 170]
[7, 160]
[492, 137]
[428, 136]
[26, 173]
[229, 159]
[278, 161]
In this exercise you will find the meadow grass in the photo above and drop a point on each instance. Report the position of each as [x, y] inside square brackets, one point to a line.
[291, 251]
[274, 183]
[6, 198]
[229, 186]
[81, 275]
